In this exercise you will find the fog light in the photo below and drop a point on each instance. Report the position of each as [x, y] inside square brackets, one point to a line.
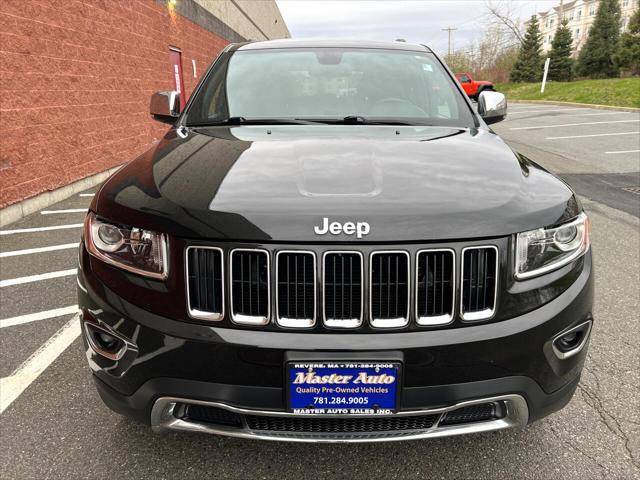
[103, 342]
[571, 342]
[106, 341]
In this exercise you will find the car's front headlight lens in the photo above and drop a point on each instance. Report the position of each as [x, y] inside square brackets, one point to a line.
[139, 251]
[545, 249]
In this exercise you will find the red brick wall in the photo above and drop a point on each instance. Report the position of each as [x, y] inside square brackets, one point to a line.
[75, 82]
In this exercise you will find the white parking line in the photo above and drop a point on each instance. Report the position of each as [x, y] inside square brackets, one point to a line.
[68, 210]
[34, 317]
[593, 114]
[39, 229]
[595, 135]
[28, 251]
[544, 111]
[86, 194]
[575, 124]
[11, 387]
[624, 151]
[571, 114]
[37, 278]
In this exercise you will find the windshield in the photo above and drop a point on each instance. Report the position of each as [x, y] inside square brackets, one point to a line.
[330, 85]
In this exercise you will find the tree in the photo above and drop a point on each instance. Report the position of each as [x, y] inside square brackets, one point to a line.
[627, 55]
[561, 62]
[528, 66]
[596, 57]
[503, 17]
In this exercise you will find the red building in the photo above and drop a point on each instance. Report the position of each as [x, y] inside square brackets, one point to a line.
[76, 77]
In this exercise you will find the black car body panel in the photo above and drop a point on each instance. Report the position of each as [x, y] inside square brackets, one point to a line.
[264, 188]
[234, 183]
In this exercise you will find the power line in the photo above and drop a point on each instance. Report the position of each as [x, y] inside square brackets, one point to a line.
[450, 30]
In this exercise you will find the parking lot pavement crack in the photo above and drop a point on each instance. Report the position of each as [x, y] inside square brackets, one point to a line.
[575, 447]
[592, 398]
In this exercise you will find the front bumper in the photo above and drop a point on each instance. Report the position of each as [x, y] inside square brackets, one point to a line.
[169, 363]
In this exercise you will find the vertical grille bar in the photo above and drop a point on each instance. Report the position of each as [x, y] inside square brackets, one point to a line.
[435, 286]
[205, 285]
[342, 289]
[250, 286]
[296, 288]
[479, 282]
[389, 289]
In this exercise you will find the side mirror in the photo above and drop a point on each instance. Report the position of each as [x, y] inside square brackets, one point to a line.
[492, 106]
[165, 106]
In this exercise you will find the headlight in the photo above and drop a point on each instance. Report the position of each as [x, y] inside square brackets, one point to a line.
[545, 249]
[133, 249]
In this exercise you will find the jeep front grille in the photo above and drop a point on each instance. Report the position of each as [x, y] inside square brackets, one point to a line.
[250, 286]
[296, 288]
[389, 289]
[435, 286]
[342, 289]
[479, 283]
[205, 283]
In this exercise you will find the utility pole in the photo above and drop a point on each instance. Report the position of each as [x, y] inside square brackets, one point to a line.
[450, 30]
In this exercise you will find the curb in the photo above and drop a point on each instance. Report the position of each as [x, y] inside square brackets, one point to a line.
[19, 210]
[575, 104]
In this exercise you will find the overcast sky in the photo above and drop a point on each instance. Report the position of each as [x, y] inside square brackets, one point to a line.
[417, 21]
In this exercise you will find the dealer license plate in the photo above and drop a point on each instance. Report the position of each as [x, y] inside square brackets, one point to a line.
[343, 387]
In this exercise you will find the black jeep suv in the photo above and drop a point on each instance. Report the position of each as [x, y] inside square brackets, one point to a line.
[330, 244]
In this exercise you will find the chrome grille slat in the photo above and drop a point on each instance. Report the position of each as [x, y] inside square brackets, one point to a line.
[205, 285]
[342, 299]
[389, 289]
[250, 286]
[479, 285]
[296, 288]
[435, 286]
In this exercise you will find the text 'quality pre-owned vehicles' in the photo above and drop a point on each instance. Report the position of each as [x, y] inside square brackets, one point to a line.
[330, 244]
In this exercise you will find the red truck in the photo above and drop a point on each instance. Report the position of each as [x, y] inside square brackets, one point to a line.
[473, 87]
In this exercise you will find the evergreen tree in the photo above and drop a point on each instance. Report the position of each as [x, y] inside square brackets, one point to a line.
[596, 57]
[627, 56]
[528, 66]
[561, 63]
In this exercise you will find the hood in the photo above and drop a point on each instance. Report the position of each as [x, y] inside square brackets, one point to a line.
[263, 184]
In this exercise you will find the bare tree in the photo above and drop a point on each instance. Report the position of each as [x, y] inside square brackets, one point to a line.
[502, 15]
[492, 56]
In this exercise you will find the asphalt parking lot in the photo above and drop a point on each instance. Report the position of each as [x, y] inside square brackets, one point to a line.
[53, 425]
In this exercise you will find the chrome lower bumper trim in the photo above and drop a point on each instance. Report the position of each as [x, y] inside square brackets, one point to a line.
[517, 415]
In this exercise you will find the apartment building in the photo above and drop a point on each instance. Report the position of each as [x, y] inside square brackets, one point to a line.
[580, 14]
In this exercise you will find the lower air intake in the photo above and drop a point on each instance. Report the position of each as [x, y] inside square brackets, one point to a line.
[340, 425]
[206, 414]
[473, 413]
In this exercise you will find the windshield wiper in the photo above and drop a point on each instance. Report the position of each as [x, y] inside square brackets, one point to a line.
[360, 120]
[231, 121]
